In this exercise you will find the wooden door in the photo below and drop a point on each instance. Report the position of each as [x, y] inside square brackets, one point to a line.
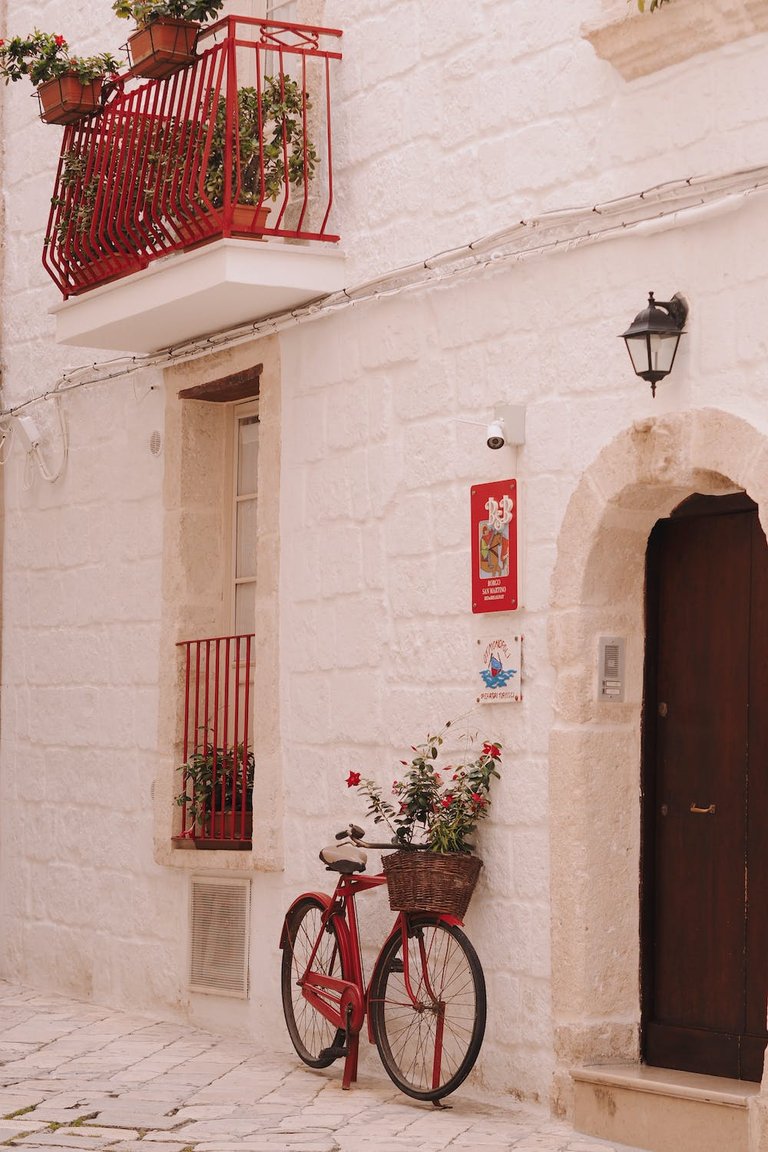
[705, 872]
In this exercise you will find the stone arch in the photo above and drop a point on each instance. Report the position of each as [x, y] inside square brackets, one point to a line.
[598, 589]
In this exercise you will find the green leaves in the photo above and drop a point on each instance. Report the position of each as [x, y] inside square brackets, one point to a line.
[216, 779]
[652, 6]
[44, 56]
[144, 12]
[269, 130]
[438, 806]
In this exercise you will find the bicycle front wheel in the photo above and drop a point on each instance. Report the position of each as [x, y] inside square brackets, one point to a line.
[317, 1041]
[428, 1011]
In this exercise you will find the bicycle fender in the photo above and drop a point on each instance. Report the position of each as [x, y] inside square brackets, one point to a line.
[322, 897]
[445, 917]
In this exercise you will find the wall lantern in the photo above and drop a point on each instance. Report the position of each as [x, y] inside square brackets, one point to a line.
[653, 336]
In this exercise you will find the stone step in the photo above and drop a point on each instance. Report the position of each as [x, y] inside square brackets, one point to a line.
[663, 1110]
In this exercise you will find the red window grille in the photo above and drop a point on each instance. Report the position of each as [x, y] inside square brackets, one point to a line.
[215, 779]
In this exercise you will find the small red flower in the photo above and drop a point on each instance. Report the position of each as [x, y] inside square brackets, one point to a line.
[492, 750]
[478, 800]
[447, 801]
[353, 779]
[59, 41]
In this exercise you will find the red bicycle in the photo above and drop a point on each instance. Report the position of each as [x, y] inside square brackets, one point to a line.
[425, 1003]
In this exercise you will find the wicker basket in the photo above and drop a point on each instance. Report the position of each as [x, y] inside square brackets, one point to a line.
[431, 882]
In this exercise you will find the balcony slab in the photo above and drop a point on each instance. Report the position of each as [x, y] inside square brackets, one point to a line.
[194, 294]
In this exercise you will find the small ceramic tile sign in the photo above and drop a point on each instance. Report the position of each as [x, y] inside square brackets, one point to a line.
[499, 666]
[494, 546]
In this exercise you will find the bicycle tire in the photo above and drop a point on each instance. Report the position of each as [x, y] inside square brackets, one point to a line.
[315, 1039]
[406, 1034]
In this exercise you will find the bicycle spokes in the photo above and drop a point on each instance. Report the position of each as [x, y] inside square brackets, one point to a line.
[316, 1037]
[427, 1009]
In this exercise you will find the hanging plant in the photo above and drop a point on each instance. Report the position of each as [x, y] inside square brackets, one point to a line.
[44, 56]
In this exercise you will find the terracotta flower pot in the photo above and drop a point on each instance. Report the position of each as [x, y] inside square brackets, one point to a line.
[163, 47]
[247, 223]
[65, 99]
[223, 830]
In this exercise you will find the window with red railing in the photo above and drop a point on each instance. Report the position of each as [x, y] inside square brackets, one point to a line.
[215, 780]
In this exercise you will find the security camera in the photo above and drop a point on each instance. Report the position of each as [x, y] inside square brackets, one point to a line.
[495, 434]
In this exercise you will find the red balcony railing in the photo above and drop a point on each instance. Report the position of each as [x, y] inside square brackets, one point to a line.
[214, 785]
[238, 143]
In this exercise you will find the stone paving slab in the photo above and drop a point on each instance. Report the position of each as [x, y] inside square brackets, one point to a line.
[91, 1079]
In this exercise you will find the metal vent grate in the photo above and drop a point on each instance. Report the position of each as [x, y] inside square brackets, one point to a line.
[219, 914]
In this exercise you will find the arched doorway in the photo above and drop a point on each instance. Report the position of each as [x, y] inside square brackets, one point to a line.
[705, 788]
[595, 747]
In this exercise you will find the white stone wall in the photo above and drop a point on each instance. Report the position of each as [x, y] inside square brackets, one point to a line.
[453, 120]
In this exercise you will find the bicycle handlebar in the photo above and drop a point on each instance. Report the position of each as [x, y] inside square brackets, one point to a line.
[356, 834]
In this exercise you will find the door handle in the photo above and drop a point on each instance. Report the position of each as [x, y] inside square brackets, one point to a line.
[703, 811]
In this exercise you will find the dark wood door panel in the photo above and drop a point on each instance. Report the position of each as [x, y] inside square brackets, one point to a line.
[706, 786]
[701, 757]
[692, 1050]
[757, 788]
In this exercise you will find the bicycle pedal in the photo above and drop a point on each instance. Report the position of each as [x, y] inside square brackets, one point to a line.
[334, 1051]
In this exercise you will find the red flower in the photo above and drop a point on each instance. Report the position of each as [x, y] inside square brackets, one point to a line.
[59, 41]
[353, 779]
[492, 750]
[447, 801]
[478, 800]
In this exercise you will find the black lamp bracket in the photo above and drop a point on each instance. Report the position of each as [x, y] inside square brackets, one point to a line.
[676, 307]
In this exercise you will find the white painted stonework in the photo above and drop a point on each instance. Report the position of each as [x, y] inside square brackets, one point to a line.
[454, 122]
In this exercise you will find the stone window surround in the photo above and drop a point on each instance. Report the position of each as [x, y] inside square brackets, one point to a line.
[638, 44]
[196, 497]
[598, 589]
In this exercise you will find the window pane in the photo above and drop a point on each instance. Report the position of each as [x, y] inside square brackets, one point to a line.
[245, 558]
[247, 454]
[245, 609]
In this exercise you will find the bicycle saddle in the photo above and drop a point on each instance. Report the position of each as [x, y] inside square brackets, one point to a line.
[344, 858]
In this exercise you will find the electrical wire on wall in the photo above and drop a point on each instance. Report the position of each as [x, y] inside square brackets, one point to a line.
[671, 204]
[28, 432]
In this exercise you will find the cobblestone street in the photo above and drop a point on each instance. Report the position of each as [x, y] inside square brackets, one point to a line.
[77, 1076]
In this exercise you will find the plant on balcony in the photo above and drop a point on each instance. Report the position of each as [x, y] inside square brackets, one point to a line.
[166, 32]
[69, 87]
[217, 781]
[144, 12]
[273, 146]
[81, 219]
[43, 56]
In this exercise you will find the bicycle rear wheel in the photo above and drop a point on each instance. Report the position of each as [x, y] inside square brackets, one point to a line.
[428, 1043]
[316, 1040]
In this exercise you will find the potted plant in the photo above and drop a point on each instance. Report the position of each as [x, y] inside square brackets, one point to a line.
[217, 793]
[166, 32]
[68, 87]
[437, 808]
[269, 149]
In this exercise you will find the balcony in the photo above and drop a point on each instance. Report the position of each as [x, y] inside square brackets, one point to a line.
[201, 201]
[215, 781]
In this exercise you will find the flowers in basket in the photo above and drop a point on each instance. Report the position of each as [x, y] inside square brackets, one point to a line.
[436, 806]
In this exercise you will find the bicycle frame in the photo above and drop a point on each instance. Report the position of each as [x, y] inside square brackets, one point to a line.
[345, 1002]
